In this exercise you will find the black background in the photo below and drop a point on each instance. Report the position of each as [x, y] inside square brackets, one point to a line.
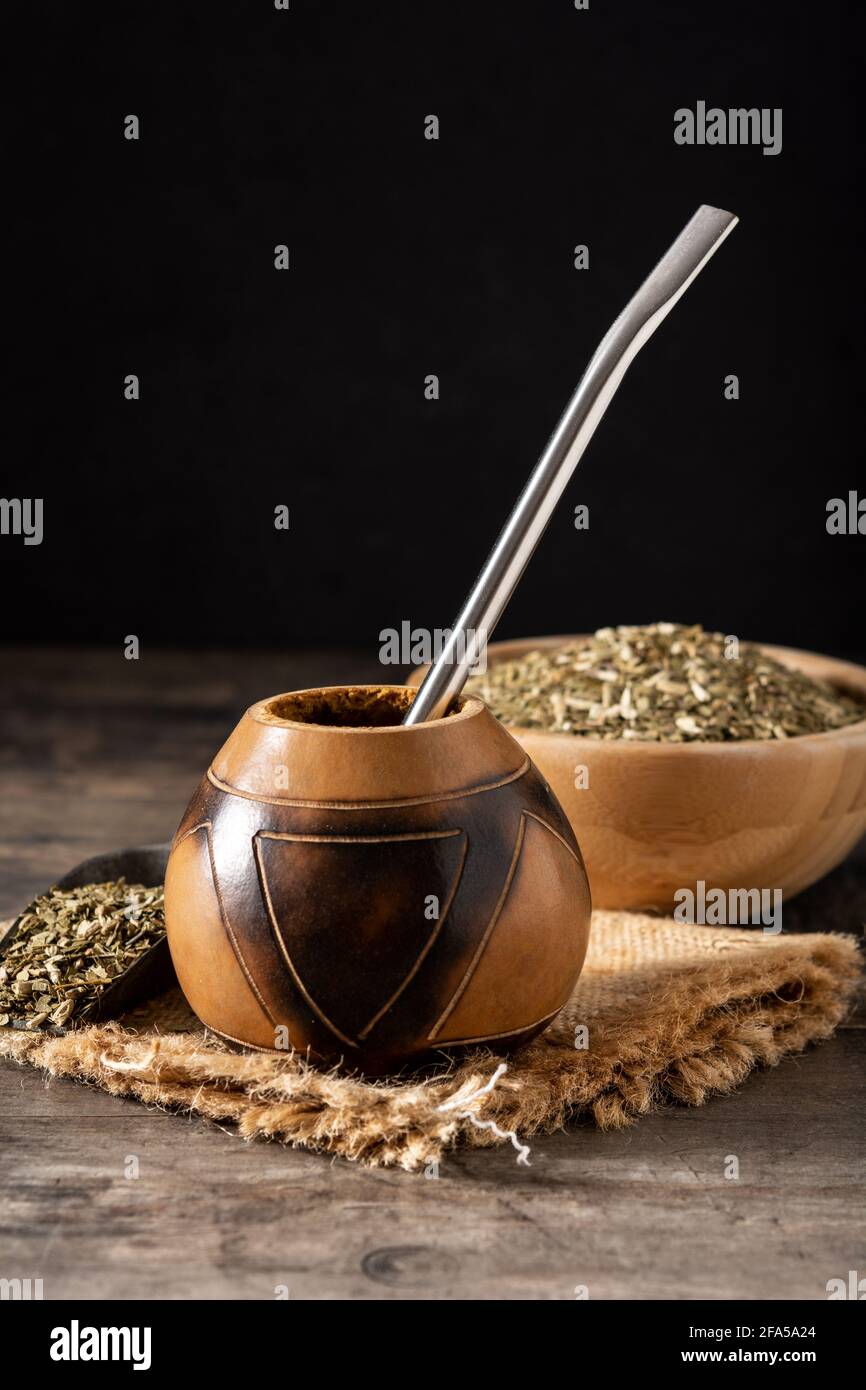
[411, 257]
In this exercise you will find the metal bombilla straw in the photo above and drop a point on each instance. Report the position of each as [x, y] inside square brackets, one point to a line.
[658, 294]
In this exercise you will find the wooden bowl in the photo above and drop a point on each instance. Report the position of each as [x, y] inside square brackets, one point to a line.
[372, 894]
[658, 817]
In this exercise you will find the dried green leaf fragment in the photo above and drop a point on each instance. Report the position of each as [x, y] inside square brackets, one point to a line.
[662, 683]
[70, 944]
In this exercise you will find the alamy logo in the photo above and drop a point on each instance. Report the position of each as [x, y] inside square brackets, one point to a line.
[75, 1343]
[736, 126]
[854, 1288]
[713, 907]
[22, 516]
[20, 1290]
[418, 646]
[846, 517]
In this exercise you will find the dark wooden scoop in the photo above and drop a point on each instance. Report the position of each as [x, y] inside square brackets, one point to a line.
[153, 971]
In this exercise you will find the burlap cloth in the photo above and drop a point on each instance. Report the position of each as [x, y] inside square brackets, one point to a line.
[672, 1014]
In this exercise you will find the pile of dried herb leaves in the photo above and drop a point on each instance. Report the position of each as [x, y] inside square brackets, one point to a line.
[70, 944]
[663, 683]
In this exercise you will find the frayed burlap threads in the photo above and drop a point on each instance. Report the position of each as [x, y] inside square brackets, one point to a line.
[671, 1013]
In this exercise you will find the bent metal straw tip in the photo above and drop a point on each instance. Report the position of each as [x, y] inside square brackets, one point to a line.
[702, 235]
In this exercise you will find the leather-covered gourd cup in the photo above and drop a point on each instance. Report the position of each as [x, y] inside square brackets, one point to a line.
[370, 894]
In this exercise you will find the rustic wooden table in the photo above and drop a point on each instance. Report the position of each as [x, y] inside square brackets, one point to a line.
[97, 752]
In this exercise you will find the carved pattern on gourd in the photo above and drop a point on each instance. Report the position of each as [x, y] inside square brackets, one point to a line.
[292, 945]
[311, 804]
[493, 940]
[207, 827]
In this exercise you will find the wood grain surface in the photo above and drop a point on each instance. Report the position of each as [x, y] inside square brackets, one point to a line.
[96, 752]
